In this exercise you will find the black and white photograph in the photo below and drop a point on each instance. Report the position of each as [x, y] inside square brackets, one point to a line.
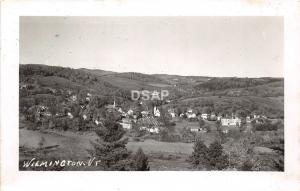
[183, 93]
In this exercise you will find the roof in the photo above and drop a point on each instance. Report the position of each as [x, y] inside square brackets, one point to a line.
[148, 121]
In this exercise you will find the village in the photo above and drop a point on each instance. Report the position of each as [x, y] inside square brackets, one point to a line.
[140, 115]
[58, 115]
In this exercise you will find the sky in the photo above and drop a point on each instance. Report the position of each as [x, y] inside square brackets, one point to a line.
[190, 46]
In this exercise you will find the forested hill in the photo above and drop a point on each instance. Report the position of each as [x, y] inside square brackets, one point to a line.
[59, 78]
[231, 83]
[120, 84]
[52, 85]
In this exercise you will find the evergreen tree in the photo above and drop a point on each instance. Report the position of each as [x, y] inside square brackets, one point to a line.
[110, 147]
[217, 159]
[200, 154]
[211, 158]
[140, 161]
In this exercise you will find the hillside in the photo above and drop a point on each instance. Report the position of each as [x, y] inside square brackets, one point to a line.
[261, 95]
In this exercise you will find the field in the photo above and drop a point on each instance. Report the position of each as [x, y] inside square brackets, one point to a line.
[162, 155]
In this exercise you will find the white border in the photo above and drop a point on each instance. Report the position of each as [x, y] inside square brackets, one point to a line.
[12, 179]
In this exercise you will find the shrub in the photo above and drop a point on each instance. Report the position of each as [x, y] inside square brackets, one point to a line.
[267, 126]
[247, 165]
[140, 161]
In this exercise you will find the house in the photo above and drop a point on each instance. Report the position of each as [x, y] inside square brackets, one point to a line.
[84, 116]
[70, 115]
[126, 123]
[153, 130]
[248, 119]
[145, 113]
[156, 112]
[213, 117]
[197, 129]
[204, 116]
[88, 94]
[130, 112]
[150, 129]
[256, 116]
[73, 98]
[42, 111]
[259, 120]
[190, 114]
[233, 122]
[172, 113]
[194, 129]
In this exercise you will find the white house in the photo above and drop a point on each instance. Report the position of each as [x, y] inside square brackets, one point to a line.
[126, 123]
[145, 113]
[231, 122]
[197, 129]
[130, 112]
[153, 130]
[70, 115]
[172, 113]
[204, 116]
[194, 129]
[190, 115]
[150, 129]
